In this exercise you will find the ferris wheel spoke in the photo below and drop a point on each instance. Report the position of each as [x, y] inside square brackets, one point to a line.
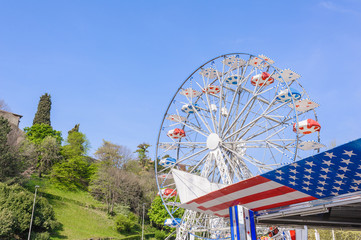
[235, 170]
[251, 124]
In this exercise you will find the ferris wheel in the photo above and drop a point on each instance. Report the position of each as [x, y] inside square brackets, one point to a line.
[234, 117]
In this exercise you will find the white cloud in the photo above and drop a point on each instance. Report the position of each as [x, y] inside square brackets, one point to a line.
[336, 8]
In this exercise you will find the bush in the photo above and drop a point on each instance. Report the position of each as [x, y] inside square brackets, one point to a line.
[41, 236]
[160, 235]
[16, 205]
[126, 224]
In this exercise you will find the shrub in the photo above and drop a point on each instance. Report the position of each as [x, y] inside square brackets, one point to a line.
[126, 224]
[160, 235]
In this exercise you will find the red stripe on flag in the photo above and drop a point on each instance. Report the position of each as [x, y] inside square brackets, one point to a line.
[251, 198]
[305, 199]
[230, 189]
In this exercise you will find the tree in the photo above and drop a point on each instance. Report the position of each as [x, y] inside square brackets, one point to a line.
[113, 155]
[75, 170]
[8, 161]
[49, 154]
[143, 154]
[158, 214]
[15, 209]
[43, 113]
[74, 129]
[38, 132]
[76, 145]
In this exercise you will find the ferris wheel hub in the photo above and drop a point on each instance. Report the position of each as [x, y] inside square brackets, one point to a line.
[213, 141]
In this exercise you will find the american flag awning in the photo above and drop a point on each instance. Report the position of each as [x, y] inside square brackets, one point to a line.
[331, 173]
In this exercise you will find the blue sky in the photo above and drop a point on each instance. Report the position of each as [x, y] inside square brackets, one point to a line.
[113, 66]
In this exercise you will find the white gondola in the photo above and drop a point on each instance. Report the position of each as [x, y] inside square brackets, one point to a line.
[210, 73]
[170, 222]
[262, 79]
[307, 126]
[234, 80]
[176, 133]
[224, 112]
[167, 162]
[286, 95]
[213, 107]
[211, 89]
[189, 108]
[189, 92]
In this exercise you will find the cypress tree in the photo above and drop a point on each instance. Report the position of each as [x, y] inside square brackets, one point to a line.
[43, 113]
[74, 129]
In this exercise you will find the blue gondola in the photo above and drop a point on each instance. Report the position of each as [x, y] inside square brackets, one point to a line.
[188, 108]
[167, 162]
[170, 222]
[286, 96]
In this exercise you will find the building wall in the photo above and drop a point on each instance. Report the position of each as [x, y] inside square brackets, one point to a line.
[13, 119]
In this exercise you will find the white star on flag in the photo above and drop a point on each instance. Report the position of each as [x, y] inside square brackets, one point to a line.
[279, 172]
[324, 176]
[292, 183]
[293, 177]
[339, 182]
[294, 171]
[355, 188]
[330, 155]
[342, 176]
[307, 182]
[347, 161]
[279, 178]
[320, 193]
[328, 163]
[335, 193]
[309, 171]
[308, 177]
[358, 174]
[294, 165]
[358, 182]
[344, 169]
[311, 164]
[321, 188]
[337, 188]
[322, 182]
[349, 153]
[306, 188]
[326, 170]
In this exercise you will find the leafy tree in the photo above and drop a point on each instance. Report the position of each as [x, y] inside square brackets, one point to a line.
[8, 161]
[75, 170]
[49, 154]
[76, 145]
[74, 129]
[126, 224]
[38, 132]
[158, 214]
[42, 116]
[15, 207]
[113, 155]
[143, 154]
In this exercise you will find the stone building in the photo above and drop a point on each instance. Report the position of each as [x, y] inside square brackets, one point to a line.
[16, 135]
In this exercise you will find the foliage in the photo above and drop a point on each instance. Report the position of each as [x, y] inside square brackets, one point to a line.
[115, 186]
[49, 154]
[75, 170]
[113, 155]
[143, 154]
[38, 132]
[73, 173]
[76, 145]
[42, 116]
[160, 235]
[16, 205]
[8, 161]
[126, 224]
[339, 234]
[158, 214]
[74, 129]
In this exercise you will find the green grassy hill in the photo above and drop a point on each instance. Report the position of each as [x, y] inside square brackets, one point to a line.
[81, 216]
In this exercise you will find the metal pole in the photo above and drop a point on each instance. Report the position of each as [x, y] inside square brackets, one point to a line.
[143, 223]
[32, 213]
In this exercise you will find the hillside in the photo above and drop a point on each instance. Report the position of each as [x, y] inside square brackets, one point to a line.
[81, 216]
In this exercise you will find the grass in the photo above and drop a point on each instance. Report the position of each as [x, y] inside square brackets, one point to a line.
[80, 215]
